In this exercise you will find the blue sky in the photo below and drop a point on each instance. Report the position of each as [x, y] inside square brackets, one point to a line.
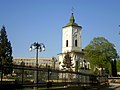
[29, 21]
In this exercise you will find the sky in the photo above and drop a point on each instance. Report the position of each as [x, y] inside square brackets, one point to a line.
[29, 21]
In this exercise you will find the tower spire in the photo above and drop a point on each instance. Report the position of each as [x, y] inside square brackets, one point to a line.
[71, 20]
[72, 17]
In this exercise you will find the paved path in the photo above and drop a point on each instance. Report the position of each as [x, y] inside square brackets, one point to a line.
[113, 86]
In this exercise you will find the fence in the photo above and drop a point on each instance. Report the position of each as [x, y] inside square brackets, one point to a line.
[23, 76]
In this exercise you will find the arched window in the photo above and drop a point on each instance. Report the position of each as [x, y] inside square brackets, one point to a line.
[66, 43]
[76, 43]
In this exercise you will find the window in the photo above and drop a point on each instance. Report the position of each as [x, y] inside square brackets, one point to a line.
[76, 43]
[66, 43]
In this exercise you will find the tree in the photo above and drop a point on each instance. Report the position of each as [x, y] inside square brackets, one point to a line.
[67, 65]
[5, 52]
[67, 62]
[100, 53]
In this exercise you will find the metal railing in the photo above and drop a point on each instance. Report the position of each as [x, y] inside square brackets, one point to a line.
[23, 76]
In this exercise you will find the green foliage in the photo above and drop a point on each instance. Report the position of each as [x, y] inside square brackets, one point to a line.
[67, 62]
[5, 52]
[100, 52]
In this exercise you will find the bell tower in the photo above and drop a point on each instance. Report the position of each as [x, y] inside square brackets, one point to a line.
[72, 43]
[71, 37]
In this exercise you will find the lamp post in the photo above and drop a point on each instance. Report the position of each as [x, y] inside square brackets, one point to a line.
[22, 64]
[114, 69]
[41, 47]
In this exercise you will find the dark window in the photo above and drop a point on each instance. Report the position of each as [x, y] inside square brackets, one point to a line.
[66, 43]
[76, 43]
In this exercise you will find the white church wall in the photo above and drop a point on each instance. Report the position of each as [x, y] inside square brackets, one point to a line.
[66, 35]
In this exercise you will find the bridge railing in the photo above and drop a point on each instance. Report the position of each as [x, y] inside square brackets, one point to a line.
[23, 76]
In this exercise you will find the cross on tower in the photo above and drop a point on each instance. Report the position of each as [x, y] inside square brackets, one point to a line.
[72, 9]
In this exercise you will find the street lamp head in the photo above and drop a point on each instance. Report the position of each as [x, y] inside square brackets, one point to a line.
[43, 48]
[33, 47]
[113, 59]
[30, 49]
[37, 45]
[40, 49]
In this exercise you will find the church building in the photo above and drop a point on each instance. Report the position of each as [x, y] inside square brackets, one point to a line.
[71, 43]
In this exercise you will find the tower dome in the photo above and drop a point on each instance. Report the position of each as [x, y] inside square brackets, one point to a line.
[72, 22]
